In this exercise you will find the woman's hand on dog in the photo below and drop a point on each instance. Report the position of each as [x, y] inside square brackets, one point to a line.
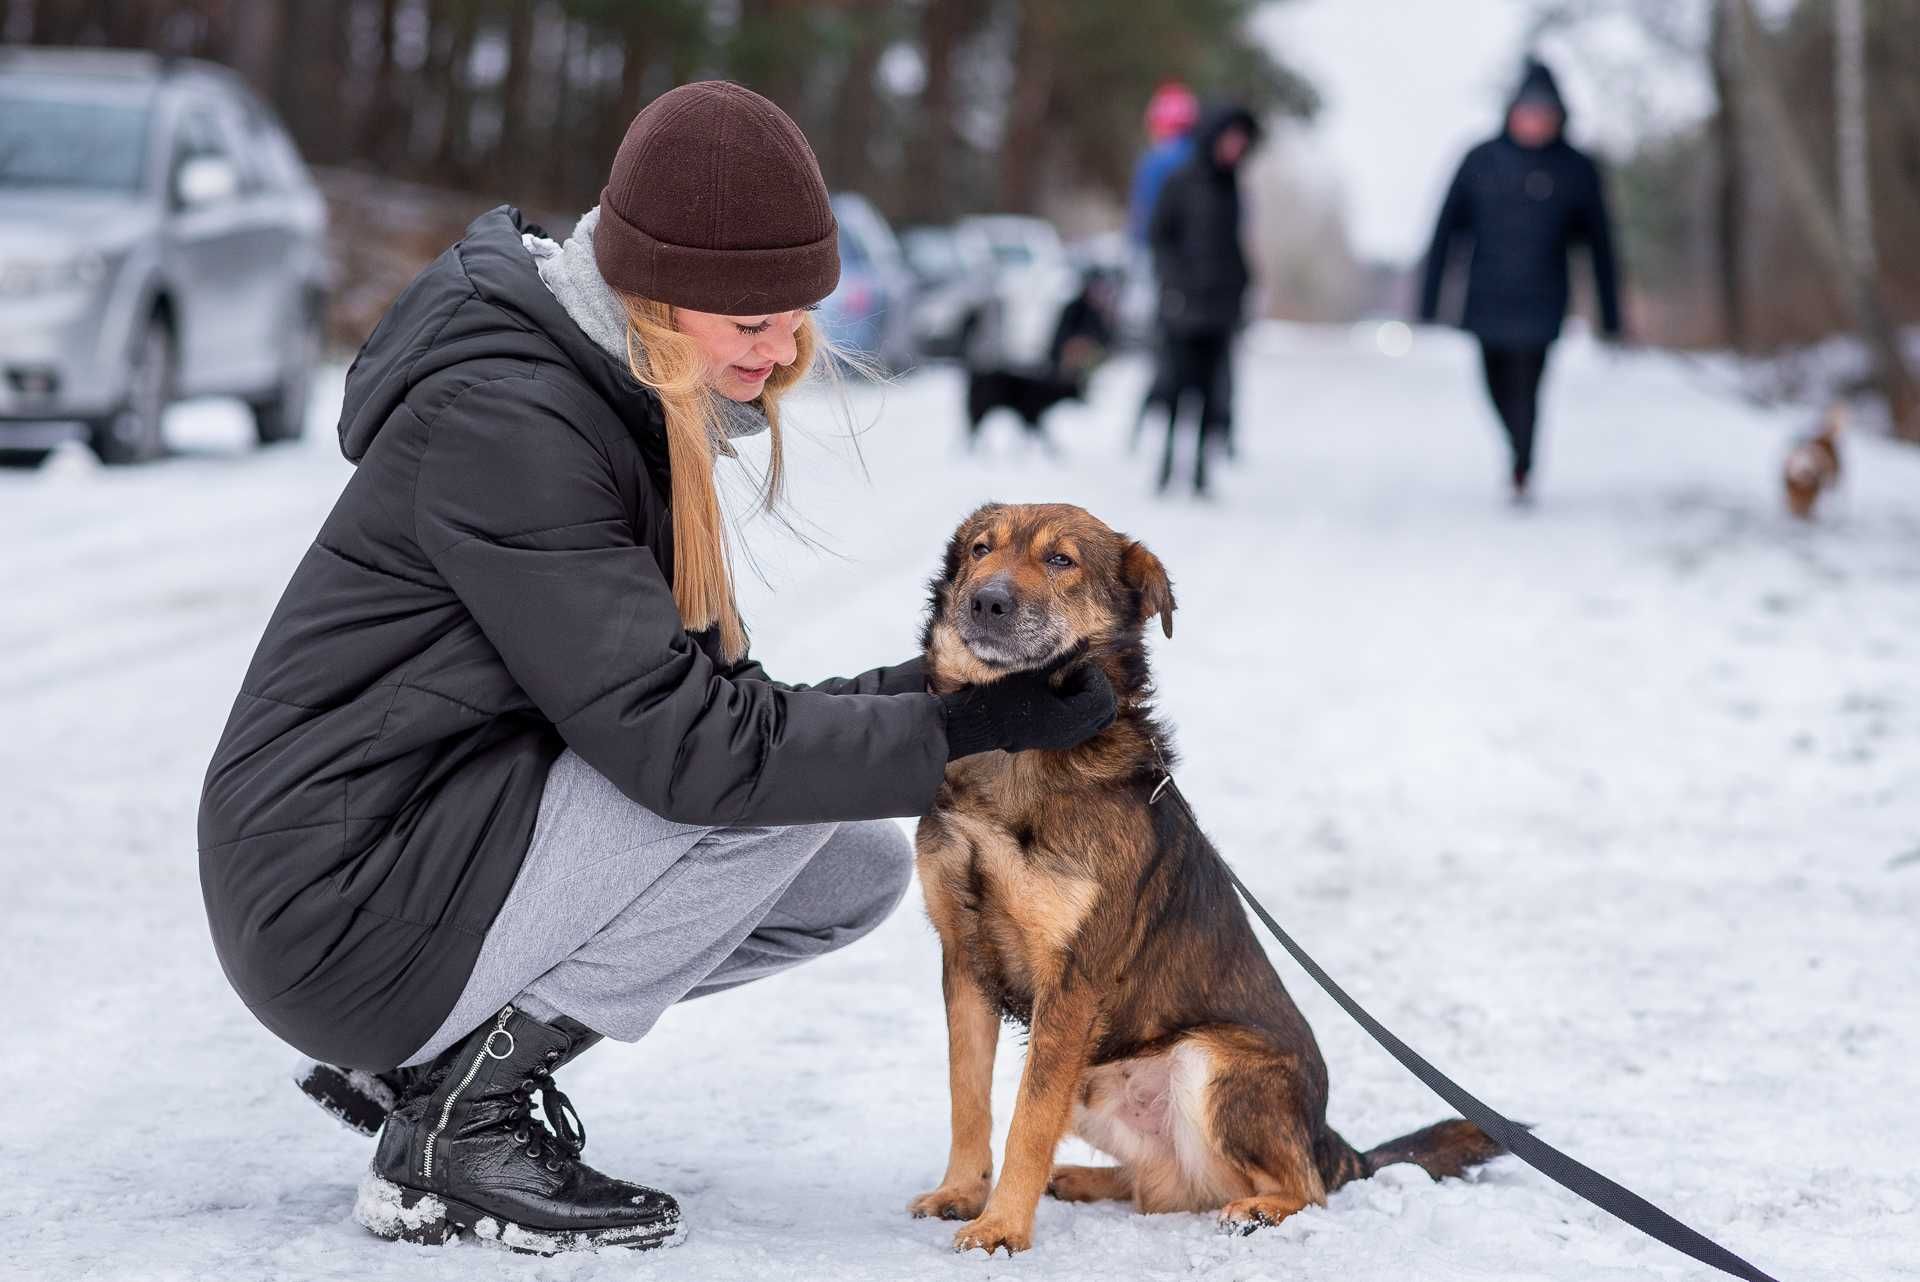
[1026, 711]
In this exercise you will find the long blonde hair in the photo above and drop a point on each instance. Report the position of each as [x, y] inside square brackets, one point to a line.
[672, 365]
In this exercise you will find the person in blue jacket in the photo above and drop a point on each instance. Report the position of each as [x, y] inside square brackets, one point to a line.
[1519, 202]
[1172, 113]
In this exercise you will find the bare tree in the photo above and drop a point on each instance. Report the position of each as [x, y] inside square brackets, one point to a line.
[1730, 187]
[1821, 220]
[1850, 100]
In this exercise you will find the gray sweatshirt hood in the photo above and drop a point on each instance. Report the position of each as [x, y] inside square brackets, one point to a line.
[570, 272]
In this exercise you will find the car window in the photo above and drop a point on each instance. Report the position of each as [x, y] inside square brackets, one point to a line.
[53, 142]
[853, 250]
[246, 157]
[272, 155]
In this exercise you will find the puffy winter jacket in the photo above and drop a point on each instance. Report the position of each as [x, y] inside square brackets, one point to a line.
[492, 586]
[1195, 234]
[1519, 210]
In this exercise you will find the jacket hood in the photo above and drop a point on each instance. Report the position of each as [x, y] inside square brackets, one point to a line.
[481, 299]
[1216, 121]
[1537, 84]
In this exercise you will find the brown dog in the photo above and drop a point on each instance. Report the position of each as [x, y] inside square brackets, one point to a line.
[1813, 464]
[1069, 899]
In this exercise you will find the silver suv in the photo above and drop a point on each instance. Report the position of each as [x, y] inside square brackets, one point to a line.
[159, 238]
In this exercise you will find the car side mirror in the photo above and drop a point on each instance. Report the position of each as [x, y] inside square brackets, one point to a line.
[205, 180]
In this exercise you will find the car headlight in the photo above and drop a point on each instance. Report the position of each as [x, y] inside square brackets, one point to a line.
[30, 277]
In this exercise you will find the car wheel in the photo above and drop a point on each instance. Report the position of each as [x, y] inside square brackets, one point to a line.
[282, 415]
[23, 458]
[137, 434]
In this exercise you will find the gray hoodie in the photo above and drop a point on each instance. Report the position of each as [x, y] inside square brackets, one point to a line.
[571, 274]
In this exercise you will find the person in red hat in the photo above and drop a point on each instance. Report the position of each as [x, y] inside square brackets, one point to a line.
[1171, 115]
[501, 779]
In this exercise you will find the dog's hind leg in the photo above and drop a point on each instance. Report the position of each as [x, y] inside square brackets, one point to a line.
[1254, 1150]
[1091, 1184]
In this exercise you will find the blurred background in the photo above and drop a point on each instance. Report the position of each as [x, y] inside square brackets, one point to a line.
[1763, 170]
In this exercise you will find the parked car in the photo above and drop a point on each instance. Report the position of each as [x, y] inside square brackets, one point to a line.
[1033, 281]
[870, 312]
[954, 270]
[159, 238]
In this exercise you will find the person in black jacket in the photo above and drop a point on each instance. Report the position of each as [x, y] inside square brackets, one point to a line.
[501, 777]
[1203, 276]
[1519, 202]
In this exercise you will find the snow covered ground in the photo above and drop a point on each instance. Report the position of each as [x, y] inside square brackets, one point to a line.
[1612, 808]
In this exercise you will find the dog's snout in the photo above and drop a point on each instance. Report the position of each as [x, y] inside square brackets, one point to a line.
[992, 602]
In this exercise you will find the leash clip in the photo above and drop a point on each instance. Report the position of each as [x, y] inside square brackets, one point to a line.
[1160, 788]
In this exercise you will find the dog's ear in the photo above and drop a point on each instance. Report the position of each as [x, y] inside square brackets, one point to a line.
[1148, 578]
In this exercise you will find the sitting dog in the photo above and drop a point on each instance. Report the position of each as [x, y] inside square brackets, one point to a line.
[1074, 895]
[1813, 464]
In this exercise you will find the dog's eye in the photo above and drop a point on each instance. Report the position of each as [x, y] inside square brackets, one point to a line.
[980, 550]
[1060, 561]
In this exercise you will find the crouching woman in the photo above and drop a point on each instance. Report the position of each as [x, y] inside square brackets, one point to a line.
[500, 779]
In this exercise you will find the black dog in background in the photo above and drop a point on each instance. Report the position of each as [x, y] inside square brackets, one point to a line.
[1080, 342]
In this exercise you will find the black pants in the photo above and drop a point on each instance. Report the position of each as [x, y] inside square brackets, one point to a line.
[1513, 381]
[1199, 367]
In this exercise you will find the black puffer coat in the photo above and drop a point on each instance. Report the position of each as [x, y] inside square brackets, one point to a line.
[1520, 210]
[1195, 235]
[489, 589]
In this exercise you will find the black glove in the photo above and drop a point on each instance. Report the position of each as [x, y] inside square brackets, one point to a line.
[1023, 711]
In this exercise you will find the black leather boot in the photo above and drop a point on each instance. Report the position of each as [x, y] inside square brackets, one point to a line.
[357, 1099]
[469, 1156]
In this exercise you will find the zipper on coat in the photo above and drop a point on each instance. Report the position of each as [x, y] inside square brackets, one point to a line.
[473, 1071]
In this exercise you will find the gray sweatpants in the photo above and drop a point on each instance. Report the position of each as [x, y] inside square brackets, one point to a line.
[617, 913]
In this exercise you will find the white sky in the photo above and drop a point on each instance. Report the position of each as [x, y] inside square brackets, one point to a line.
[1409, 85]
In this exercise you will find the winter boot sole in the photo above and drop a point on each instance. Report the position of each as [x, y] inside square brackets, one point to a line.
[402, 1214]
[357, 1100]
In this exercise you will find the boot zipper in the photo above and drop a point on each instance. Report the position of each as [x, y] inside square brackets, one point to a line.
[473, 1071]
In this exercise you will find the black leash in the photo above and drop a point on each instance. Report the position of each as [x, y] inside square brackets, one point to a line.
[1582, 1180]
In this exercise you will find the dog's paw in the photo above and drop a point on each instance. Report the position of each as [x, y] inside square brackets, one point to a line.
[1089, 1184]
[950, 1203]
[1250, 1213]
[990, 1233]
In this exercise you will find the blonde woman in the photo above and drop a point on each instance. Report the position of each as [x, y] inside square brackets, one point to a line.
[501, 778]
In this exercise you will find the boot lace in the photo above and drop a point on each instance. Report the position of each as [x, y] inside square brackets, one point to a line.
[568, 1136]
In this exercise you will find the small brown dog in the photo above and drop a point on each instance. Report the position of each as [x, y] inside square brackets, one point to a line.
[1074, 897]
[1813, 464]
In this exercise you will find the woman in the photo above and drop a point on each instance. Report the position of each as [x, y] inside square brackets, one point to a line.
[501, 779]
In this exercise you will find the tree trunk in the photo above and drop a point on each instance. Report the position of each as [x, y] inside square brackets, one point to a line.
[929, 160]
[849, 152]
[1023, 150]
[1730, 197]
[1850, 103]
[383, 125]
[516, 91]
[456, 98]
[1819, 217]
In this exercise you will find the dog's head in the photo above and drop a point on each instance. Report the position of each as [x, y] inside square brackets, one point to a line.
[1025, 585]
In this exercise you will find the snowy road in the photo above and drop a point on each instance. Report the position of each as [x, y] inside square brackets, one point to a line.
[1611, 808]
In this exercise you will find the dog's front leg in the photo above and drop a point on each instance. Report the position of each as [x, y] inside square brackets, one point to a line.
[1063, 1035]
[973, 1033]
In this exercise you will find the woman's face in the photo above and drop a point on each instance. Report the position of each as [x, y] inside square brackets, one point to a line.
[741, 351]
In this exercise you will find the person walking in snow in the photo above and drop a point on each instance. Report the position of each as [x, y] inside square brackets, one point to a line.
[501, 778]
[1202, 270]
[1171, 114]
[1520, 201]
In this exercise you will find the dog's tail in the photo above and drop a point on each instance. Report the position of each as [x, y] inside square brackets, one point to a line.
[1444, 1149]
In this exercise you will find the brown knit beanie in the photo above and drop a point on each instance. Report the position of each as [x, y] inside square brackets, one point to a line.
[716, 203]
